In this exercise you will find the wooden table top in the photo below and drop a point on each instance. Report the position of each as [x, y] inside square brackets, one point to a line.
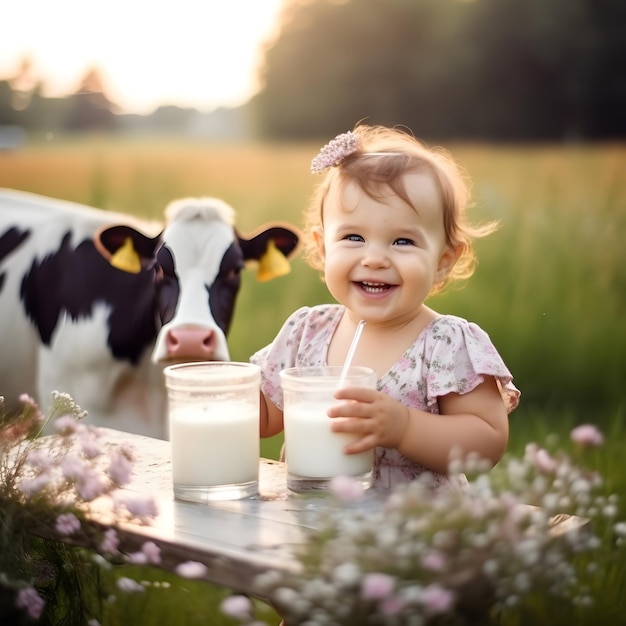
[235, 539]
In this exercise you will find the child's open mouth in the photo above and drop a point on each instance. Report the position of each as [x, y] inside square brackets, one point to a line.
[374, 287]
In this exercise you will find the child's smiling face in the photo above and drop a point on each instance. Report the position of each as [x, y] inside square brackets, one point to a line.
[382, 256]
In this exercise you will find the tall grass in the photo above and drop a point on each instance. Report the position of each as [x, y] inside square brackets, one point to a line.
[550, 287]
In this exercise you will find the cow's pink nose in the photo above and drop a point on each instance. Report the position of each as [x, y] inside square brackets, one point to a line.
[190, 343]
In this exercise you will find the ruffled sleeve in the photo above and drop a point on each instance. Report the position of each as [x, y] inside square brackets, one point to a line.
[458, 355]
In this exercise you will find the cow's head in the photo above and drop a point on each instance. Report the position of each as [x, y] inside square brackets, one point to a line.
[196, 264]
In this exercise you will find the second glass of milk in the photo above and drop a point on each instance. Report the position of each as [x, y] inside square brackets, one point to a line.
[313, 452]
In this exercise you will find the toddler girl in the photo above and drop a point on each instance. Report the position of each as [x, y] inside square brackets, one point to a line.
[388, 228]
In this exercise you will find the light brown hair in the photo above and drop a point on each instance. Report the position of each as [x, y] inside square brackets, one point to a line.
[379, 165]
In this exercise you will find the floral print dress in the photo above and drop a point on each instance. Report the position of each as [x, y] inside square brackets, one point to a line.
[449, 355]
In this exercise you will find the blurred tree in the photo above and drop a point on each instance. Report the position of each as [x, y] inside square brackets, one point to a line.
[492, 69]
[15, 94]
[8, 114]
[605, 112]
[530, 70]
[23, 84]
[89, 108]
[467, 69]
[44, 114]
[335, 63]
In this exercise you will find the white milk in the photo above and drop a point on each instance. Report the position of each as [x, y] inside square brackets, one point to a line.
[215, 444]
[313, 450]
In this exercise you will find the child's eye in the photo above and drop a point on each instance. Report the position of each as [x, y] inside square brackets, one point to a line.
[353, 237]
[403, 241]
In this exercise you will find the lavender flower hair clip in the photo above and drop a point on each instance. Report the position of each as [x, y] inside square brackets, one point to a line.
[334, 152]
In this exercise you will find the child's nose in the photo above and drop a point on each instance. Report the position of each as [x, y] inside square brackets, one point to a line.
[375, 256]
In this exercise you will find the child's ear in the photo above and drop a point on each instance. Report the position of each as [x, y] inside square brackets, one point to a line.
[318, 236]
[447, 260]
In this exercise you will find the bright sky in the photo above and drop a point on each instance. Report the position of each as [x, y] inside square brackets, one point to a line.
[197, 53]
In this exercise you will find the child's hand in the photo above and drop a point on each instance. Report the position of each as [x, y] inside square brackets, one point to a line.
[378, 418]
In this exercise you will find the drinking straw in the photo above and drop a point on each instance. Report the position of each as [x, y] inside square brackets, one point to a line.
[351, 351]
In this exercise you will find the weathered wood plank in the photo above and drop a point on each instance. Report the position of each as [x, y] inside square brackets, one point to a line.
[237, 539]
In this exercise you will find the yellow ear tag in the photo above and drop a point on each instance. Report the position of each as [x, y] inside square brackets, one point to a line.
[126, 259]
[272, 264]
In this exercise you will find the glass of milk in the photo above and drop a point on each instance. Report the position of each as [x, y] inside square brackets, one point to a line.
[313, 452]
[213, 410]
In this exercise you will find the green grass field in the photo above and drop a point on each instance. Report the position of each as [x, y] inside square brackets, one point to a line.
[550, 287]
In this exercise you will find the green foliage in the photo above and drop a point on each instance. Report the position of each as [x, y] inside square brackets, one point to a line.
[550, 287]
[490, 69]
[167, 599]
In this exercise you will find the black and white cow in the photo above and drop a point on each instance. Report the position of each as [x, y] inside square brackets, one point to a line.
[92, 306]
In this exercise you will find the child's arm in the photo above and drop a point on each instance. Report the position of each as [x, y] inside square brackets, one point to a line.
[271, 418]
[473, 422]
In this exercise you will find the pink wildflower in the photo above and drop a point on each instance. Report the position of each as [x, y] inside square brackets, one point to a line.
[32, 486]
[29, 599]
[347, 488]
[66, 424]
[111, 541]
[67, 524]
[377, 586]
[191, 569]
[391, 605]
[39, 458]
[544, 462]
[137, 558]
[237, 606]
[437, 599]
[73, 467]
[434, 561]
[90, 485]
[30, 403]
[120, 468]
[587, 435]
[152, 552]
[89, 444]
[149, 553]
[137, 505]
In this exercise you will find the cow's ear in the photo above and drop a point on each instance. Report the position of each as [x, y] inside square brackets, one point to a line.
[126, 258]
[125, 248]
[272, 247]
[272, 264]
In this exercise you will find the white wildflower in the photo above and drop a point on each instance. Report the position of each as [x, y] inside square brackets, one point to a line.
[347, 574]
[128, 584]
[236, 606]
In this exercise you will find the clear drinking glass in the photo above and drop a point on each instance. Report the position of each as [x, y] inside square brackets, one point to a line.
[213, 412]
[313, 452]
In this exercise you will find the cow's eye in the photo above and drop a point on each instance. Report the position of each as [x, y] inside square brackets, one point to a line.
[165, 260]
[233, 273]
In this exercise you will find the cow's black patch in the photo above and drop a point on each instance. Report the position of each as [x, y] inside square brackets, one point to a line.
[72, 280]
[223, 292]
[10, 240]
[168, 290]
